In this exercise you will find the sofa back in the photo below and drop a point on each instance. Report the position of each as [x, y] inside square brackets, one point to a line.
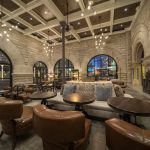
[99, 90]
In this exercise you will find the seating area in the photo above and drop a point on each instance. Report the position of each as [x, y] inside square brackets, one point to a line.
[74, 75]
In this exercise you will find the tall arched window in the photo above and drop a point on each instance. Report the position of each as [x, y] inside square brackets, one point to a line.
[102, 66]
[40, 72]
[68, 69]
[5, 71]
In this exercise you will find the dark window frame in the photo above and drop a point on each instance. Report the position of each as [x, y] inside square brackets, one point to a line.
[99, 56]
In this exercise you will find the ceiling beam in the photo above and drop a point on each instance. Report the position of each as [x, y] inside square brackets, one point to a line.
[100, 8]
[82, 6]
[53, 8]
[112, 17]
[77, 15]
[20, 11]
[31, 12]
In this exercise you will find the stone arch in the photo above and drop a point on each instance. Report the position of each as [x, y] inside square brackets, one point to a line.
[13, 52]
[140, 36]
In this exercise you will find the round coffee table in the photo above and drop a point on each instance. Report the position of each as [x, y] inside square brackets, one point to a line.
[130, 106]
[78, 100]
[42, 96]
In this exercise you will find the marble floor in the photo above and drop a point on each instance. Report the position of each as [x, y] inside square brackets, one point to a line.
[32, 142]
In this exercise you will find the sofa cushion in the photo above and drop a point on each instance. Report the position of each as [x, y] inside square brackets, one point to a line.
[84, 89]
[103, 92]
[118, 91]
[68, 89]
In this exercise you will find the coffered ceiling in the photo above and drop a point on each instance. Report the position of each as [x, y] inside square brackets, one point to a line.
[40, 19]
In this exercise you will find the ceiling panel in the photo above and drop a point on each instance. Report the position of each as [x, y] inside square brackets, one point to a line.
[48, 32]
[26, 1]
[70, 37]
[37, 35]
[121, 26]
[30, 19]
[79, 24]
[50, 42]
[102, 30]
[8, 4]
[61, 4]
[16, 23]
[85, 34]
[58, 40]
[1, 14]
[100, 18]
[58, 28]
[44, 12]
[125, 11]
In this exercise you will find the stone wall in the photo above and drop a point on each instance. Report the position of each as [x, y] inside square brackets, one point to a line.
[23, 52]
[118, 46]
[140, 35]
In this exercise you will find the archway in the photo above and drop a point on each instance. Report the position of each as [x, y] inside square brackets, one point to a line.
[5, 70]
[40, 72]
[139, 69]
[102, 66]
[68, 69]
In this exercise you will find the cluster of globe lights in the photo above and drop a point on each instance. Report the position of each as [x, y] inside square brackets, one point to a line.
[48, 48]
[5, 31]
[89, 7]
[100, 40]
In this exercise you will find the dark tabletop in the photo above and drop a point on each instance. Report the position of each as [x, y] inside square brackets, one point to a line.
[42, 95]
[76, 98]
[130, 105]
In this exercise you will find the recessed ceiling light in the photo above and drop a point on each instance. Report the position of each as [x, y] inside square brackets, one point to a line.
[18, 23]
[82, 14]
[78, 23]
[45, 12]
[126, 9]
[30, 18]
[106, 29]
[85, 33]
[89, 7]
[77, 0]
[121, 25]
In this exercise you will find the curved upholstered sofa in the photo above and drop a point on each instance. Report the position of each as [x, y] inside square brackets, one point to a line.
[97, 108]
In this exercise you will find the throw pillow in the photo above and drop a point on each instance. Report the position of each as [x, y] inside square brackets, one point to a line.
[103, 92]
[118, 90]
[68, 89]
[85, 89]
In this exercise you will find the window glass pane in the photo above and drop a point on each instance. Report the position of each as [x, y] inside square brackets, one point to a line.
[102, 66]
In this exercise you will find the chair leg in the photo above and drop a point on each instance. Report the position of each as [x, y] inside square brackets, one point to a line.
[1, 134]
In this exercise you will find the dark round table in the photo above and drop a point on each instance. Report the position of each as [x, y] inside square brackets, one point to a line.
[78, 100]
[42, 96]
[130, 106]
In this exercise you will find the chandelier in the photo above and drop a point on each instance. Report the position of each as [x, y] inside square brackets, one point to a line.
[88, 7]
[100, 40]
[4, 30]
[47, 47]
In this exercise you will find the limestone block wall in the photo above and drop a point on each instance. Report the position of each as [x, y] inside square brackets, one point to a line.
[140, 35]
[23, 52]
[118, 46]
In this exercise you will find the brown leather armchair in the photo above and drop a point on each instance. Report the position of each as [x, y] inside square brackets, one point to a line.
[121, 135]
[15, 119]
[61, 130]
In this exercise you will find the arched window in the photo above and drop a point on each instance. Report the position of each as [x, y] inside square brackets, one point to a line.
[68, 69]
[102, 66]
[5, 71]
[40, 72]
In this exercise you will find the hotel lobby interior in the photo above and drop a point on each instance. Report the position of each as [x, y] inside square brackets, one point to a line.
[74, 74]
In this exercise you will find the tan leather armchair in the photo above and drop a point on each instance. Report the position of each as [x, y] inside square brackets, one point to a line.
[61, 130]
[15, 119]
[121, 135]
